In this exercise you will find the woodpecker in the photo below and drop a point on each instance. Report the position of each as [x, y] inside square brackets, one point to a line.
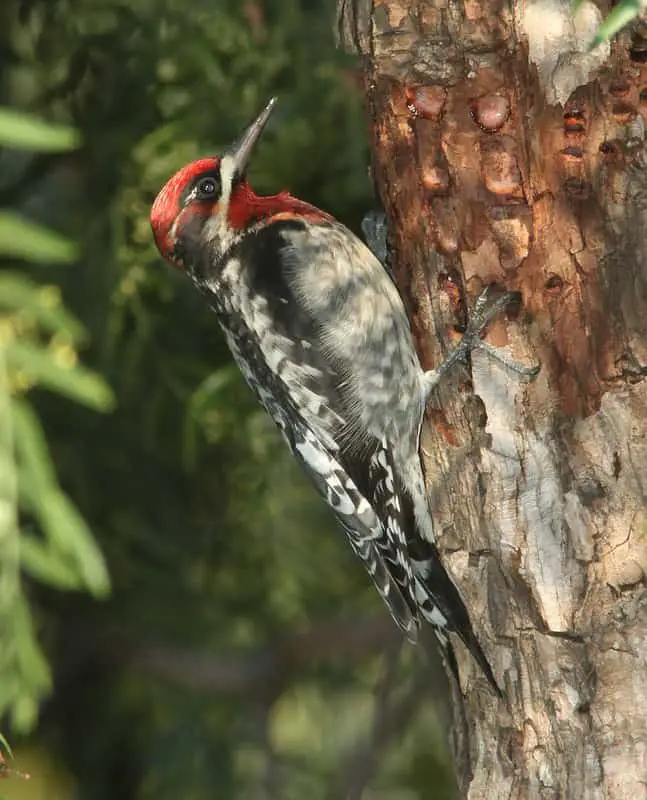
[320, 333]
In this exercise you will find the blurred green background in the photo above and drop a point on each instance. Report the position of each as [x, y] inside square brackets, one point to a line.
[179, 615]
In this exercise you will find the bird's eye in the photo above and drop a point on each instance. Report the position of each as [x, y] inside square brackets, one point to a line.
[206, 189]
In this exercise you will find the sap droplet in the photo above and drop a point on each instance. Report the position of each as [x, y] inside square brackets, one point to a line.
[426, 101]
[574, 122]
[435, 180]
[491, 111]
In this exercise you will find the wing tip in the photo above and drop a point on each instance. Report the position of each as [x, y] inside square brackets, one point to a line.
[476, 651]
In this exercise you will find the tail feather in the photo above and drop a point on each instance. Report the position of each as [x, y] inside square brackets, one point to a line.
[443, 604]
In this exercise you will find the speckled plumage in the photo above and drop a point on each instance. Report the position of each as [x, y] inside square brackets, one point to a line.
[320, 334]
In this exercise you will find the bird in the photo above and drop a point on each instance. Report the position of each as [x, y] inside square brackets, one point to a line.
[320, 333]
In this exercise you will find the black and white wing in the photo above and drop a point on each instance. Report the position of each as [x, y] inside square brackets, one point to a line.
[351, 480]
[380, 544]
[305, 390]
[279, 352]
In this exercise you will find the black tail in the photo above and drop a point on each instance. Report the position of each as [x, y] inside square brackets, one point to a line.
[444, 596]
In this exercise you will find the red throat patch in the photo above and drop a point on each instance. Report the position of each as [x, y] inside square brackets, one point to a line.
[246, 208]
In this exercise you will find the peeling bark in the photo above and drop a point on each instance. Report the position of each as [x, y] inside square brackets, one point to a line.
[505, 153]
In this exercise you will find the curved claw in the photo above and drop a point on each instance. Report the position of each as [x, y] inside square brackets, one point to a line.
[504, 358]
[482, 314]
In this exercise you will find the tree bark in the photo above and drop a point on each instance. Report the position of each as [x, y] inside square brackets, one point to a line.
[506, 153]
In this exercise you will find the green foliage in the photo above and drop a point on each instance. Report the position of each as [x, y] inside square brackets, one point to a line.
[619, 16]
[67, 557]
[219, 554]
[27, 132]
[22, 239]
[5, 745]
[38, 338]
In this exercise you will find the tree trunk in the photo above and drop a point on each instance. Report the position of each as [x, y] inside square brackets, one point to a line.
[505, 153]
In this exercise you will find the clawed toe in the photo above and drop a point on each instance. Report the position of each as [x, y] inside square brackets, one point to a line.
[484, 311]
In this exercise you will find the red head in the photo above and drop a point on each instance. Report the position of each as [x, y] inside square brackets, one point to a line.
[214, 192]
[186, 201]
[208, 189]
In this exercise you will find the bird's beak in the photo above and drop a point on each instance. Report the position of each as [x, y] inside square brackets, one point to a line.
[241, 151]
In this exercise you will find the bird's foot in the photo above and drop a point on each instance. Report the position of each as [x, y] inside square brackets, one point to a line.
[484, 311]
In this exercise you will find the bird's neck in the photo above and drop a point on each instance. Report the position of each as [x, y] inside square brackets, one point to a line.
[247, 208]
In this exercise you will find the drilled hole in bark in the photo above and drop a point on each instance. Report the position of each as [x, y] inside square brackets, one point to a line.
[554, 284]
[575, 108]
[426, 101]
[444, 278]
[450, 283]
[573, 153]
[638, 51]
[623, 112]
[448, 280]
[500, 168]
[574, 121]
[619, 87]
[490, 111]
[513, 307]
[643, 96]
[576, 187]
[435, 180]
[608, 148]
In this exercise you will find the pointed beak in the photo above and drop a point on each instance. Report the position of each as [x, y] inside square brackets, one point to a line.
[241, 151]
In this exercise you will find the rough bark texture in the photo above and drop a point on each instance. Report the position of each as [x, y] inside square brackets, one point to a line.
[505, 153]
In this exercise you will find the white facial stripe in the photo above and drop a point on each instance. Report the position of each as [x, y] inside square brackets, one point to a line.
[227, 171]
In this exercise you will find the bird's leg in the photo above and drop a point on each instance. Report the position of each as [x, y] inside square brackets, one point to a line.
[483, 312]
[375, 230]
